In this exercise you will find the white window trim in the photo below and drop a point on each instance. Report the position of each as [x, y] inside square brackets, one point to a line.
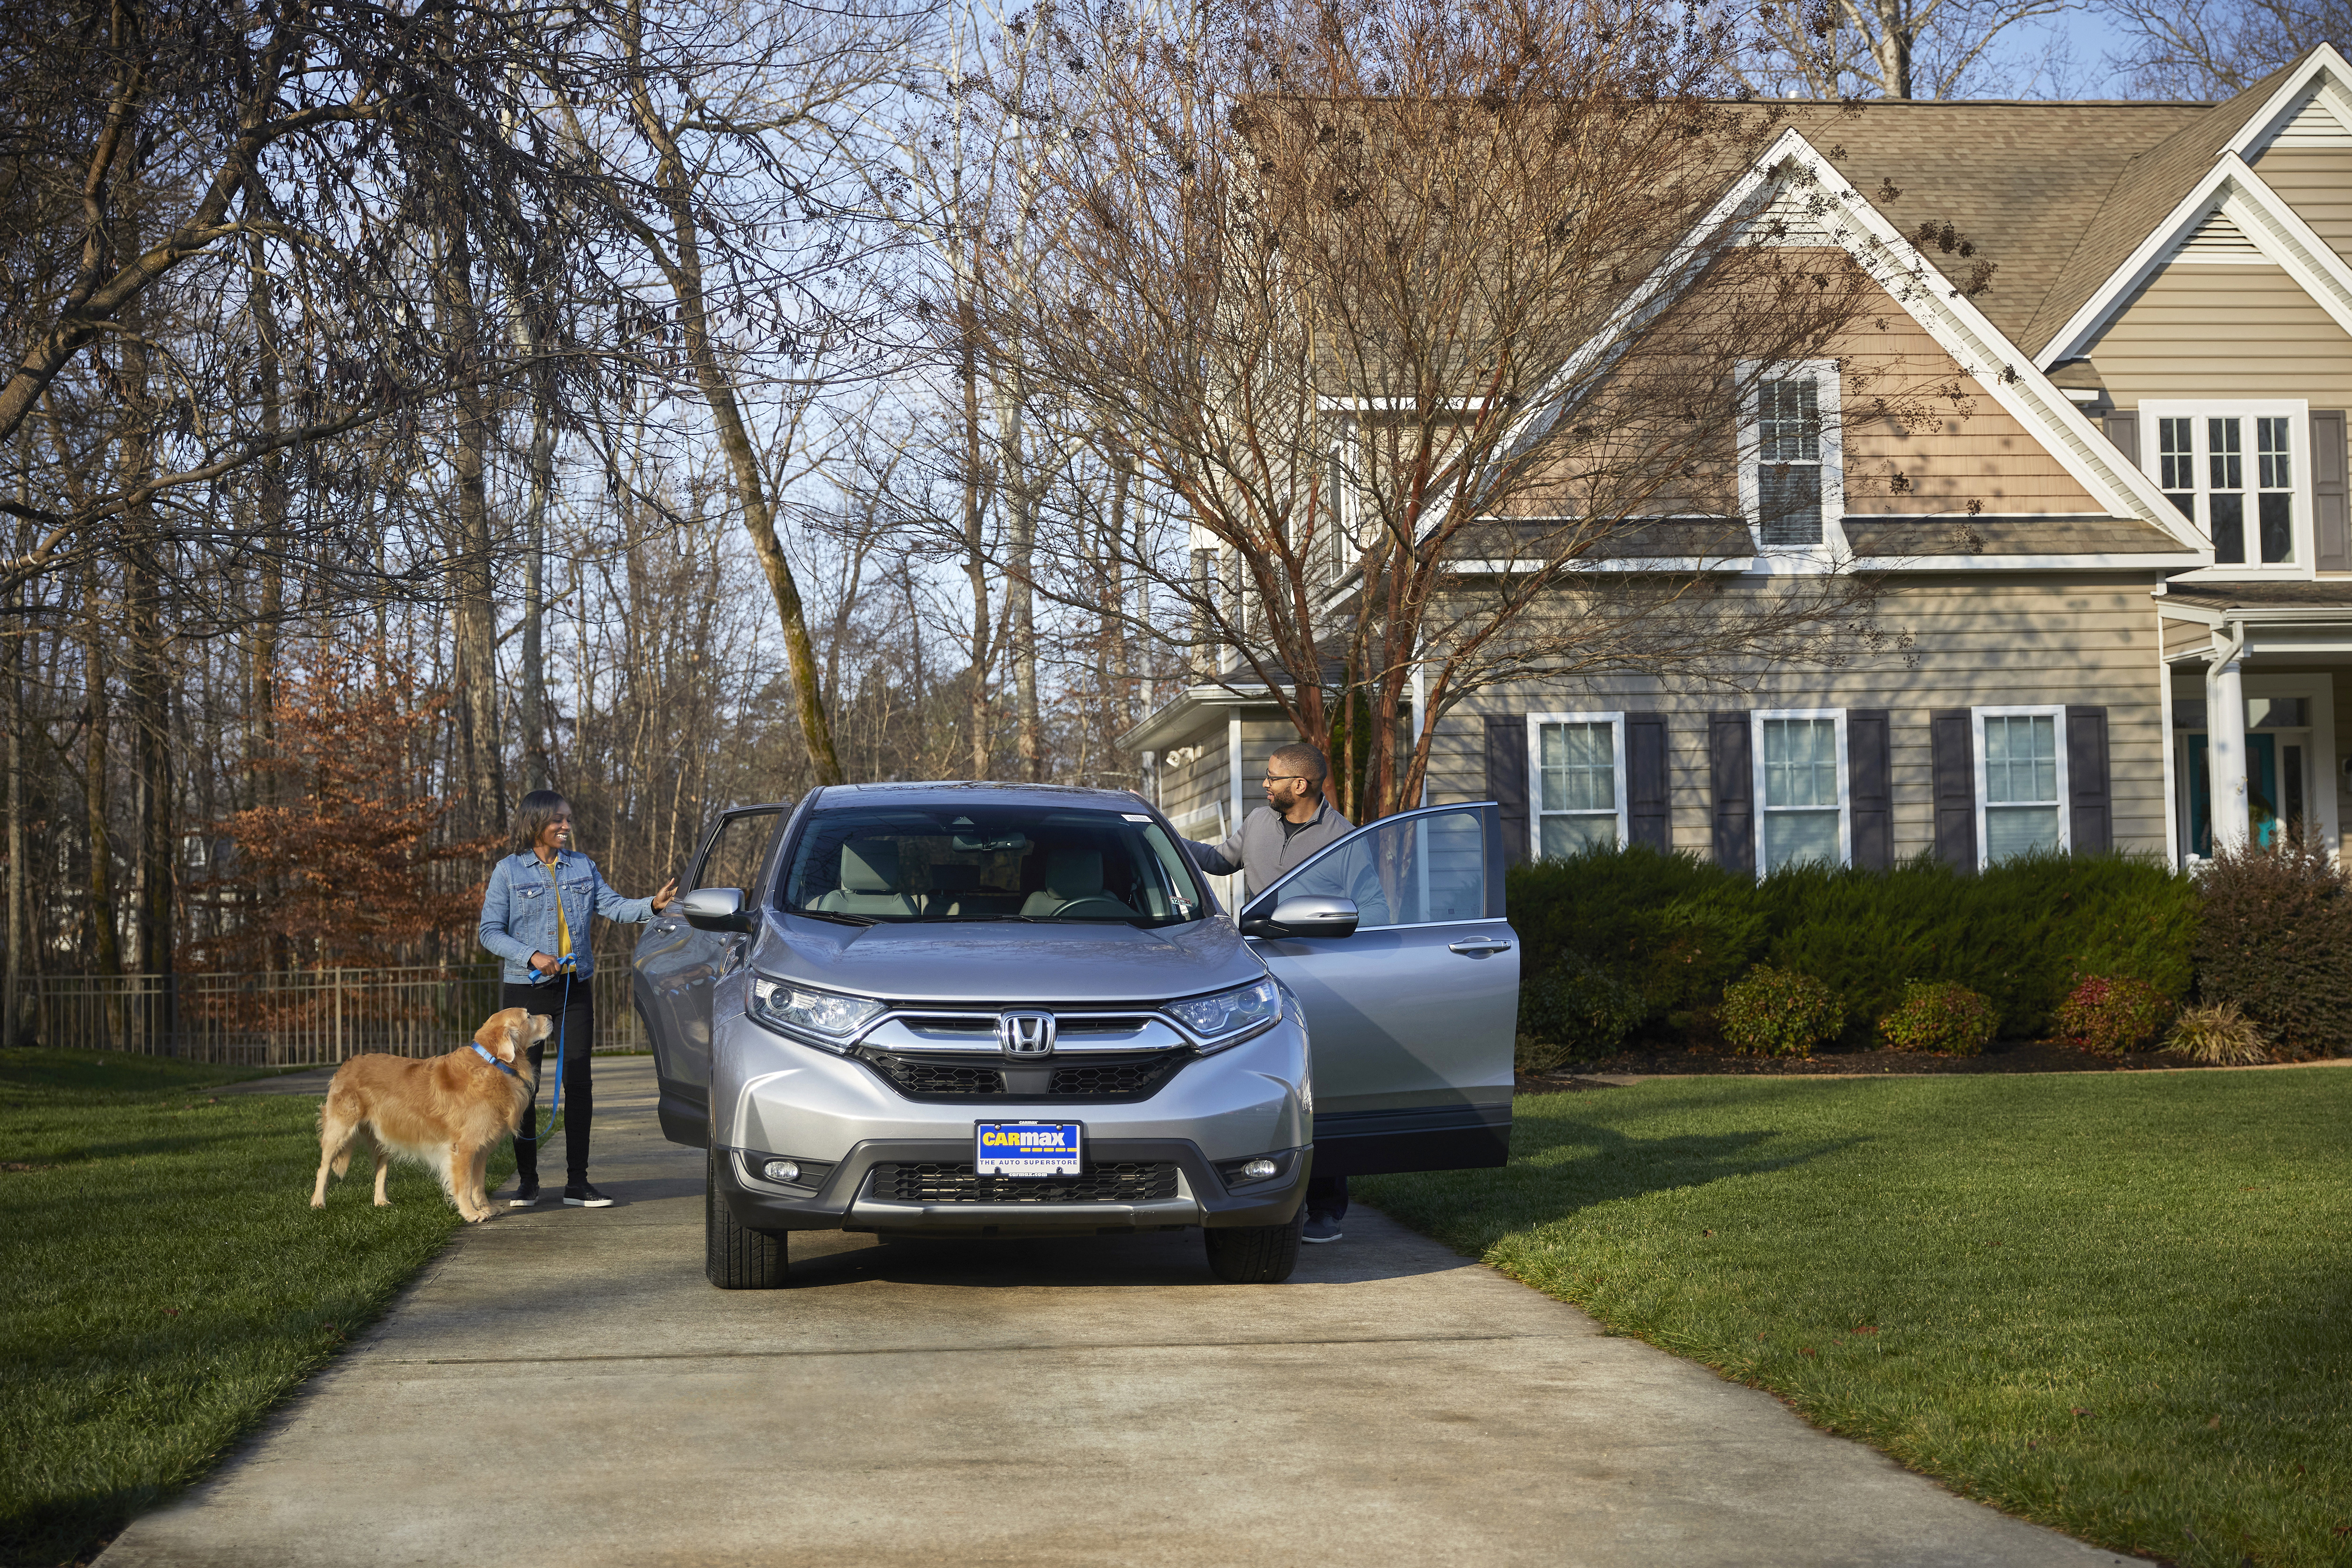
[1536, 721]
[1829, 399]
[2296, 411]
[1756, 720]
[2065, 803]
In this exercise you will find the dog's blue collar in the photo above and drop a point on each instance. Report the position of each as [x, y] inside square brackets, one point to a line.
[483, 1051]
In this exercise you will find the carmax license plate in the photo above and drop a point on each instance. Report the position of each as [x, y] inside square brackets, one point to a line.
[1027, 1149]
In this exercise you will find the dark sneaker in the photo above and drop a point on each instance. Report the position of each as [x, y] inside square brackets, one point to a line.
[584, 1196]
[1320, 1228]
[526, 1196]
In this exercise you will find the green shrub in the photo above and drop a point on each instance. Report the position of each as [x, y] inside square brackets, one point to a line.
[1579, 1011]
[1679, 929]
[1780, 1013]
[2276, 939]
[2218, 1034]
[2112, 1014]
[1941, 1016]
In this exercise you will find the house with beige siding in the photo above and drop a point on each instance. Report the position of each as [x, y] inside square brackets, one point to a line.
[2122, 583]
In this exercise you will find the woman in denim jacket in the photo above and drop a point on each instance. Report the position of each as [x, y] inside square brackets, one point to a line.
[536, 915]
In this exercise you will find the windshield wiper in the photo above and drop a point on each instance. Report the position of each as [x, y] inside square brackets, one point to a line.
[958, 919]
[837, 917]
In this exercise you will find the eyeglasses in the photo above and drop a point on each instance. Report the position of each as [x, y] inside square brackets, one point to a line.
[1288, 778]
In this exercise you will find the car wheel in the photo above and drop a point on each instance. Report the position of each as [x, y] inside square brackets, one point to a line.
[735, 1257]
[1256, 1254]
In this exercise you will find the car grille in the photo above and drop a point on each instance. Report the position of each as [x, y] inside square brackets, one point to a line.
[1102, 1077]
[1128, 1182]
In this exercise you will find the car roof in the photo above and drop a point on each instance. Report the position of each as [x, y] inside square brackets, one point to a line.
[965, 793]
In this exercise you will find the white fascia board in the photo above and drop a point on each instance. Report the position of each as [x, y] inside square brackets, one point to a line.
[2276, 230]
[1981, 350]
[2334, 77]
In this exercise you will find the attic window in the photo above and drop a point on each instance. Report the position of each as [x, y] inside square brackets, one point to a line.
[2239, 471]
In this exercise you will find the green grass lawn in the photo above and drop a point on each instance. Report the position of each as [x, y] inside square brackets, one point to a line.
[2117, 1304]
[166, 1279]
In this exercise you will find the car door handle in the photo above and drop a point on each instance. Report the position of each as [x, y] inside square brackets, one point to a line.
[664, 928]
[1478, 946]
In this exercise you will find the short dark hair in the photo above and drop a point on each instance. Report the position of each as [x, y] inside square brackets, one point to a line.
[1302, 759]
[532, 817]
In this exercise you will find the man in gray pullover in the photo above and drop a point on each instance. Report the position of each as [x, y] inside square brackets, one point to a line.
[1295, 821]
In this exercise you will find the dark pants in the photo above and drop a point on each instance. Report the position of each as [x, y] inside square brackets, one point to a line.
[1328, 1195]
[575, 1016]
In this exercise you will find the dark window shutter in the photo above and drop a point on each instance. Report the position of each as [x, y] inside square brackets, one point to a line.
[1870, 786]
[2331, 519]
[1645, 780]
[1954, 762]
[1734, 791]
[2089, 809]
[1506, 780]
[2123, 428]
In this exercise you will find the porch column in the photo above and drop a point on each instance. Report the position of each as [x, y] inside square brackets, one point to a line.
[2225, 752]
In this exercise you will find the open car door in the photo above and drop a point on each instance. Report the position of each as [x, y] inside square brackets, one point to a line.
[675, 966]
[1412, 1019]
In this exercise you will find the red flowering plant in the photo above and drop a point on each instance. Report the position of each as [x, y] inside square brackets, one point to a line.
[2112, 1014]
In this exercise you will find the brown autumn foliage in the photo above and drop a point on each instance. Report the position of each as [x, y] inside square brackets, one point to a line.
[346, 863]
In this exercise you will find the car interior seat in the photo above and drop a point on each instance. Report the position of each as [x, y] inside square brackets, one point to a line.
[1074, 885]
[869, 882]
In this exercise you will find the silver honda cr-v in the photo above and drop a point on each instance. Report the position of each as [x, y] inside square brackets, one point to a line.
[954, 1009]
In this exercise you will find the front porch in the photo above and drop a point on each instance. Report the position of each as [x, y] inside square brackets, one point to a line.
[2261, 688]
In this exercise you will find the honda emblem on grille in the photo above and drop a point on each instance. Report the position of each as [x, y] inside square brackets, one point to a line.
[1025, 1033]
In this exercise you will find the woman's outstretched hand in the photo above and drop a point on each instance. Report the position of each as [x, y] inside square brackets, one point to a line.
[668, 895]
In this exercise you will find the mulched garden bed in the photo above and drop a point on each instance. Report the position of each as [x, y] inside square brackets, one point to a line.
[2006, 1056]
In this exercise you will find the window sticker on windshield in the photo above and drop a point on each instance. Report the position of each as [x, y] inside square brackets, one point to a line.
[1135, 817]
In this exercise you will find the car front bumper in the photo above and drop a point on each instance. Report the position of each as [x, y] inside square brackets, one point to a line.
[773, 1096]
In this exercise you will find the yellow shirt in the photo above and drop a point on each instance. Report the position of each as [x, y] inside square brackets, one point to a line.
[563, 925]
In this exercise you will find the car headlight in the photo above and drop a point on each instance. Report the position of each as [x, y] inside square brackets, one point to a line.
[820, 1017]
[1229, 1017]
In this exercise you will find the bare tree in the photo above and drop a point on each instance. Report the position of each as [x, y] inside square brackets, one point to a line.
[1882, 49]
[2212, 48]
[1427, 316]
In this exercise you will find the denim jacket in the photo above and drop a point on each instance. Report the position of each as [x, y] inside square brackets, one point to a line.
[518, 911]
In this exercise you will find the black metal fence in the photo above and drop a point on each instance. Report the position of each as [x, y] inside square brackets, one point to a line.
[297, 1017]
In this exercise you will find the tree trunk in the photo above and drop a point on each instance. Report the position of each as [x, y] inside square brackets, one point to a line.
[470, 579]
[96, 771]
[16, 1006]
[975, 561]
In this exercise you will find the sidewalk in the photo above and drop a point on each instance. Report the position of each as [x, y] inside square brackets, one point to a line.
[562, 1386]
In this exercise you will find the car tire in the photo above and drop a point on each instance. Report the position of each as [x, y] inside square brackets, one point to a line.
[735, 1257]
[1256, 1254]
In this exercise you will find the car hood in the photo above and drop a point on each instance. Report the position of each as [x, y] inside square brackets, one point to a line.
[1008, 963]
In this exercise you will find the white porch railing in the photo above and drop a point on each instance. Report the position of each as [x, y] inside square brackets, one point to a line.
[297, 1017]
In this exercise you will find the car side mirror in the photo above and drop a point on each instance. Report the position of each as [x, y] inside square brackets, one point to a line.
[1306, 915]
[717, 909]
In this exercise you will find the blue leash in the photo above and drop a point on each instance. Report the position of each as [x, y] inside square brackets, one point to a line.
[555, 1102]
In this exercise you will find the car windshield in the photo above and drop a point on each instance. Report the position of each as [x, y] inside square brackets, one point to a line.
[991, 863]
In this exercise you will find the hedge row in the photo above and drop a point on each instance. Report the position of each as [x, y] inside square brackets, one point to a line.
[1675, 929]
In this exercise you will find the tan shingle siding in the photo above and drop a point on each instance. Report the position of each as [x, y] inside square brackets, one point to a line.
[2199, 332]
[2318, 183]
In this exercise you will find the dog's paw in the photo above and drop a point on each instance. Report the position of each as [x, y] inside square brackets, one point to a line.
[384, 1203]
[318, 1203]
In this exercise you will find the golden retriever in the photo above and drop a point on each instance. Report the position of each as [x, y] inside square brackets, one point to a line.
[445, 1112]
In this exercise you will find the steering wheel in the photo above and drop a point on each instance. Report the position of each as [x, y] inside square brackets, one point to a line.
[1094, 904]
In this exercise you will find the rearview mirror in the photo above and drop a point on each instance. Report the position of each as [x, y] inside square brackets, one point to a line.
[1306, 915]
[717, 909]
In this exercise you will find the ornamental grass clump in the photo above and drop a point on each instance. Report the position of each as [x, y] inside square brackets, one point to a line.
[1941, 1017]
[2112, 1014]
[2218, 1034]
[1780, 1013]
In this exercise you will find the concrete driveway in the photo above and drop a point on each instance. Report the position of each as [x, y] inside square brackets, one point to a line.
[563, 1387]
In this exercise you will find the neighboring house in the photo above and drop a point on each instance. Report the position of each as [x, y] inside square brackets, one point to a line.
[2140, 633]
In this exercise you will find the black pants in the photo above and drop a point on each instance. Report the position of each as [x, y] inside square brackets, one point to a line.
[1328, 1195]
[575, 1016]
